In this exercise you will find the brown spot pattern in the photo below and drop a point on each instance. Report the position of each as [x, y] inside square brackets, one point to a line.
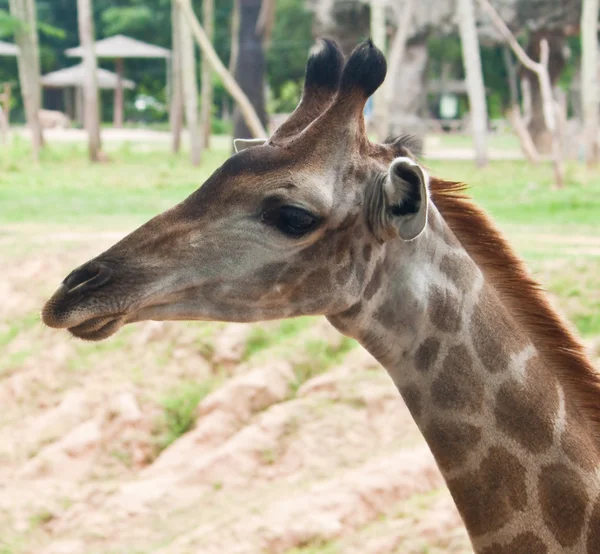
[458, 387]
[487, 498]
[366, 253]
[494, 334]
[427, 353]
[526, 412]
[459, 271]
[344, 272]
[563, 499]
[524, 543]
[452, 442]
[575, 440]
[444, 311]
[412, 398]
[375, 282]
[593, 538]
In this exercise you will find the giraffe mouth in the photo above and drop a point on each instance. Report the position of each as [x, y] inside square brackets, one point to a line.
[98, 328]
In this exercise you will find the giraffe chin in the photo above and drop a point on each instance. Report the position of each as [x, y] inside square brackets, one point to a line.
[98, 328]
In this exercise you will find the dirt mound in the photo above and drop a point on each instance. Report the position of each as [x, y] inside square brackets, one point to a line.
[279, 437]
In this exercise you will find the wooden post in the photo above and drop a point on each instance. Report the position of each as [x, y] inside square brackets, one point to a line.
[118, 107]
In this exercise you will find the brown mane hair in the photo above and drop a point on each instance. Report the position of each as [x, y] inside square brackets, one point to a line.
[562, 351]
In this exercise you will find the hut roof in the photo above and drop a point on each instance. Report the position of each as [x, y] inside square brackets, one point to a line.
[74, 77]
[8, 49]
[121, 46]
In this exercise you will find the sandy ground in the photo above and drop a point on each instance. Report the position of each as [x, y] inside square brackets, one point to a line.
[333, 464]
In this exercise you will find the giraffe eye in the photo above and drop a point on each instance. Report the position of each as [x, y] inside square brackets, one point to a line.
[291, 220]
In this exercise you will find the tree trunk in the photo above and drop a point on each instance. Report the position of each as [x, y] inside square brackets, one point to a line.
[207, 86]
[527, 146]
[540, 133]
[190, 87]
[250, 67]
[235, 36]
[408, 101]
[229, 82]
[29, 68]
[176, 111]
[397, 50]
[473, 72]
[511, 72]
[380, 119]
[90, 86]
[589, 78]
[542, 71]
[5, 112]
[118, 107]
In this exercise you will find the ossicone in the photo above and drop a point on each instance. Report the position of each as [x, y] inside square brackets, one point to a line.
[324, 65]
[364, 71]
[321, 83]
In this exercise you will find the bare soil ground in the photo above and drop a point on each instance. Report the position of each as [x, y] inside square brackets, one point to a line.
[278, 438]
[281, 456]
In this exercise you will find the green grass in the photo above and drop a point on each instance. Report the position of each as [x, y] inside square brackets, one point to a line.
[318, 357]
[65, 189]
[518, 193]
[179, 411]
[261, 338]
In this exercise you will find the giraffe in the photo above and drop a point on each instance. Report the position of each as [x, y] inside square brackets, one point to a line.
[318, 220]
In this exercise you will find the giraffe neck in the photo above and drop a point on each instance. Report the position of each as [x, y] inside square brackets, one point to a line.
[512, 446]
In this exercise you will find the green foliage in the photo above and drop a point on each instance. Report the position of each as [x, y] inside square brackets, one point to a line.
[288, 99]
[8, 24]
[125, 19]
[50, 30]
[179, 411]
[291, 41]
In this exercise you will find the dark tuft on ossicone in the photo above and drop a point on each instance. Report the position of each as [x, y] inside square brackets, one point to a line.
[365, 69]
[324, 66]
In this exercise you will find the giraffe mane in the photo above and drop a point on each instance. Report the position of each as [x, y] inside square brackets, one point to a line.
[559, 347]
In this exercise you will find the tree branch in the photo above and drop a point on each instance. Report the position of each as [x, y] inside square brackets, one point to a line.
[229, 82]
[503, 29]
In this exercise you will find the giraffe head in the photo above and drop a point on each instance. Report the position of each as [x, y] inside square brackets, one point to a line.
[283, 228]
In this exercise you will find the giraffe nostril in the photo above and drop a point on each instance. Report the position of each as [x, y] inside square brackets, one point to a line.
[89, 276]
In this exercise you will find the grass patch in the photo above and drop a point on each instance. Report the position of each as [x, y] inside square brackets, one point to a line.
[261, 338]
[317, 547]
[515, 192]
[319, 356]
[66, 189]
[179, 412]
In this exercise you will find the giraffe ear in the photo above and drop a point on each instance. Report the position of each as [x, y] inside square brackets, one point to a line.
[398, 202]
[242, 144]
[407, 195]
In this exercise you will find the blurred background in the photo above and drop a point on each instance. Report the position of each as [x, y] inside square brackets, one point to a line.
[279, 437]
